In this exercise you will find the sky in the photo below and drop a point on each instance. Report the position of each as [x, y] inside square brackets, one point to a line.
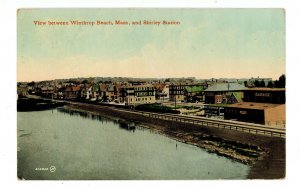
[208, 43]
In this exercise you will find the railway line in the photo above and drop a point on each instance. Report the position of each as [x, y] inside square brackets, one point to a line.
[202, 121]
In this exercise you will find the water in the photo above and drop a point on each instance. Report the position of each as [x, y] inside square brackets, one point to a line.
[85, 146]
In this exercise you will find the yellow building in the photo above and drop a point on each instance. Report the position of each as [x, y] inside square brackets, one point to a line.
[138, 94]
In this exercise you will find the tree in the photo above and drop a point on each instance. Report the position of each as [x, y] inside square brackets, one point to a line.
[85, 81]
[270, 84]
[256, 83]
[276, 84]
[262, 84]
[281, 81]
[246, 83]
[31, 83]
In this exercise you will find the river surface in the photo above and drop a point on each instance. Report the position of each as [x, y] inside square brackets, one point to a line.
[65, 144]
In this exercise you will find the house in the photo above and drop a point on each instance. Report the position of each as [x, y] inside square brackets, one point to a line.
[86, 92]
[161, 92]
[47, 91]
[194, 93]
[251, 81]
[22, 91]
[95, 90]
[137, 94]
[177, 92]
[60, 92]
[118, 87]
[102, 91]
[110, 93]
[72, 92]
[187, 91]
[224, 93]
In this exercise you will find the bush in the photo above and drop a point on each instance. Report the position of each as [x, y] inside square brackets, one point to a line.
[36, 104]
[156, 108]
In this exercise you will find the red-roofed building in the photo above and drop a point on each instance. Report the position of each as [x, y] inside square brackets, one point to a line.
[72, 92]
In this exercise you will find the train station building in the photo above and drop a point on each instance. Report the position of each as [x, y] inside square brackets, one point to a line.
[260, 105]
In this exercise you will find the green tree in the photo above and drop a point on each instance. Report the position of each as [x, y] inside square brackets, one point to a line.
[270, 84]
[281, 81]
[256, 83]
[262, 84]
[276, 84]
[85, 81]
[31, 83]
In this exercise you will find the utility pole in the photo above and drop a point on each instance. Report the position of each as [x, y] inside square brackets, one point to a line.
[175, 100]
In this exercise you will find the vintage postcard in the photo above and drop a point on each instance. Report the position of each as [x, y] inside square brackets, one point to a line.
[151, 94]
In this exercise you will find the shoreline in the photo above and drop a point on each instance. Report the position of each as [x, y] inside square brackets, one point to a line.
[265, 155]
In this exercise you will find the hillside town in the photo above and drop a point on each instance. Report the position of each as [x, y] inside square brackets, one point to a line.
[254, 100]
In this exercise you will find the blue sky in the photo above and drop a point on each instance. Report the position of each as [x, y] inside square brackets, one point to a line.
[207, 43]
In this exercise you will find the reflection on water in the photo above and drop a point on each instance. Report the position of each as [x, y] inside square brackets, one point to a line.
[126, 125]
[83, 145]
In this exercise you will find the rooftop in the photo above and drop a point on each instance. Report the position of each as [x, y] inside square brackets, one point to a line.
[265, 89]
[73, 88]
[238, 96]
[192, 89]
[226, 87]
[136, 86]
[253, 105]
[159, 86]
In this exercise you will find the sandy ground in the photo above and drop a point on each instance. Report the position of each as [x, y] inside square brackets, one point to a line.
[264, 154]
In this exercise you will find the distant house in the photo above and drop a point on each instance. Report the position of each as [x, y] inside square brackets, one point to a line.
[137, 94]
[60, 92]
[22, 91]
[72, 92]
[86, 92]
[161, 92]
[95, 91]
[102, 91]
[177, 92]
[251, 81]
[90, 91]
[224, 93]
[47, 91]
[187, 91]
[110, 93]
[118, 87]
[194, 93]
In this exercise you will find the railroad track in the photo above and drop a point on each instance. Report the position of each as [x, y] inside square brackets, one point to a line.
[201, 121]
